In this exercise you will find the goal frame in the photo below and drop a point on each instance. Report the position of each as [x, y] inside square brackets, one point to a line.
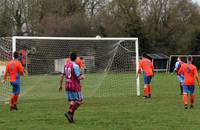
[15, 38]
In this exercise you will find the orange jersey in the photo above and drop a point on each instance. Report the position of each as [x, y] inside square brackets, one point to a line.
[14, 68]
[80, 63]
[189, 71]
[146, 66]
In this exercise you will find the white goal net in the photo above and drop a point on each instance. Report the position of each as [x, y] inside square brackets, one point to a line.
[5, 56]
[110, 64]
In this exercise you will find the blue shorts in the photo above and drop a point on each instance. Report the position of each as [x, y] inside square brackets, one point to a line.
[147, 79]
[188, 89]
[181, 79]
[74, 96]
[15, 88]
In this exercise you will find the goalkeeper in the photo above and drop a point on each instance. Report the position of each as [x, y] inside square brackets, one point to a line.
[73, 76]
[14, 69]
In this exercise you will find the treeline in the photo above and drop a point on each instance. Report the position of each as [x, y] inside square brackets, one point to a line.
[168, 26]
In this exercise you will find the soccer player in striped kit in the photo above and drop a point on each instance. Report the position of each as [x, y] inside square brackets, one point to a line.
[180, 77]
[71, 72]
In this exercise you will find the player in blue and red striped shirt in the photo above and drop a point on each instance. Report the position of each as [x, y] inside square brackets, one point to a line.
[72, 73]
[180, 77]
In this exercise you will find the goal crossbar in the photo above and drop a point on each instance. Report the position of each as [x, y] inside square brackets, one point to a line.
[74, 38]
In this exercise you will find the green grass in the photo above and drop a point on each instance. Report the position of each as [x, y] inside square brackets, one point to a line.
[42, 107]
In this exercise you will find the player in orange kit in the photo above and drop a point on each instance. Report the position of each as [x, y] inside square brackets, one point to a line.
[147, 66]
[190, 73]
[81, 63]
[14, 69]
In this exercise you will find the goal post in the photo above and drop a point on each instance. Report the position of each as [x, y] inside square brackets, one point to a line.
[137, 66]
[108, 54]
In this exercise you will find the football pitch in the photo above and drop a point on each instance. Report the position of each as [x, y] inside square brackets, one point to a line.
[42, 107]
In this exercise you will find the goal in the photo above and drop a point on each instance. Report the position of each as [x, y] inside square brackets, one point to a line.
[5, 56]
[110, 63]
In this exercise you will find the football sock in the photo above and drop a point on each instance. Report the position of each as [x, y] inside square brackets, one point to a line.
[185, 99]
[77, 104]
[181, 88]
[149, 89]
[191, 99]
[145, 91]
[16, 96]
[72, 108]
[12, 96]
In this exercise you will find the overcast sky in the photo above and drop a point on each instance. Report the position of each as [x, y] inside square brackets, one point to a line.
[198, 1]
